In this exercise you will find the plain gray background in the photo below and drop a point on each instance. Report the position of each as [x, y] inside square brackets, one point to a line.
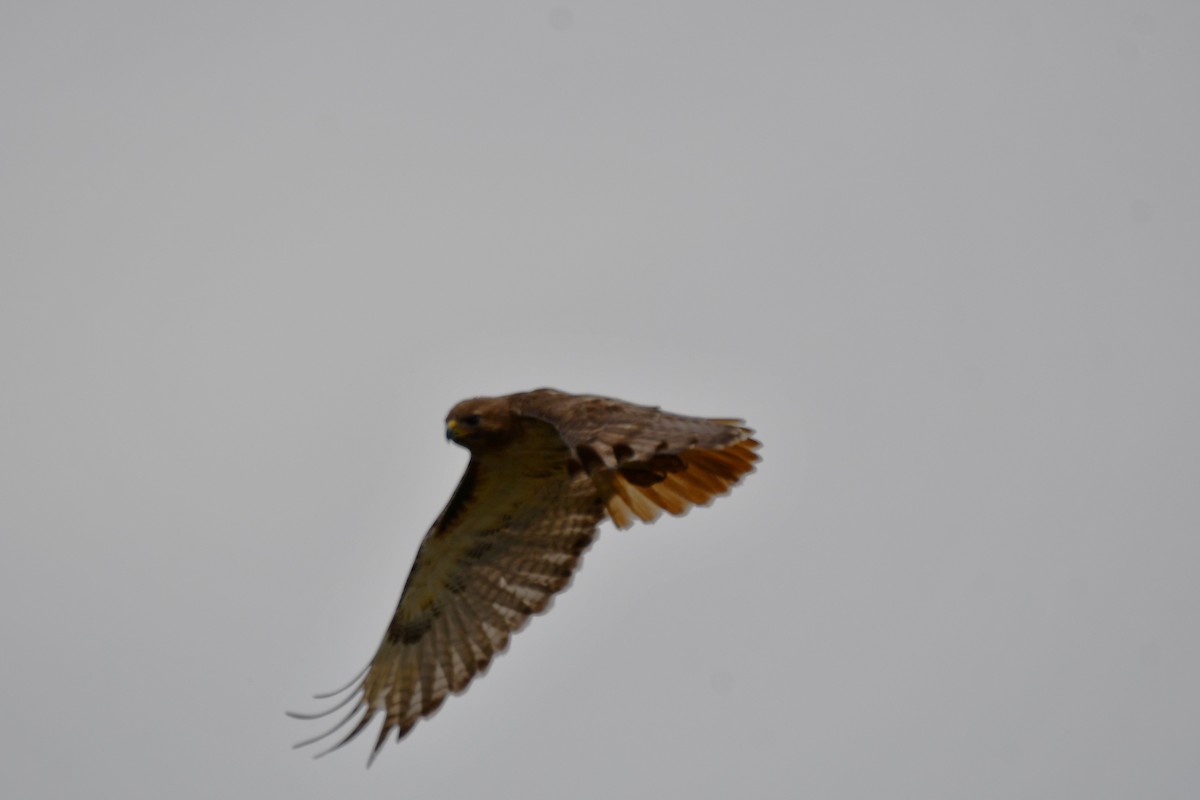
[944, 257]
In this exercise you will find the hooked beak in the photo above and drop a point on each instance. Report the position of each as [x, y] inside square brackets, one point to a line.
[451, 430]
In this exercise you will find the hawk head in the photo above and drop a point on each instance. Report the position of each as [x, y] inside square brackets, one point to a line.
[481, 422]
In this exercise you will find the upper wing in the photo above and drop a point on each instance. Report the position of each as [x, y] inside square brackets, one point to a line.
[508, 541]
[641, 459]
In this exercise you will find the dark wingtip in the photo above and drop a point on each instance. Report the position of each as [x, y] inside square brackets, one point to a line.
[336, 692]
[334, 729]
[355, 731]
[321, 714]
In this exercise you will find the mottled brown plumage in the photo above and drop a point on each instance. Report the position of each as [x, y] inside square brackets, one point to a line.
[546, 467]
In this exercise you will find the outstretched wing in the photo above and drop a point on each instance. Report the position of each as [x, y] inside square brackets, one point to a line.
[643, 460]
[508, 541]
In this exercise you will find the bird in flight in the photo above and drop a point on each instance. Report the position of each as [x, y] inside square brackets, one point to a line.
[546, 468]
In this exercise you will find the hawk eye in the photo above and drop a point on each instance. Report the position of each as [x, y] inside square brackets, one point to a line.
[471, 419]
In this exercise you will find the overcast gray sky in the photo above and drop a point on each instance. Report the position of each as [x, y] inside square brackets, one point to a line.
[945, 258]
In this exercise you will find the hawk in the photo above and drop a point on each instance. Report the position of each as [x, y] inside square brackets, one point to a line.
[546, 468]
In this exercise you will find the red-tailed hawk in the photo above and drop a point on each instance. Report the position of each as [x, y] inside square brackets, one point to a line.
[546, 468]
